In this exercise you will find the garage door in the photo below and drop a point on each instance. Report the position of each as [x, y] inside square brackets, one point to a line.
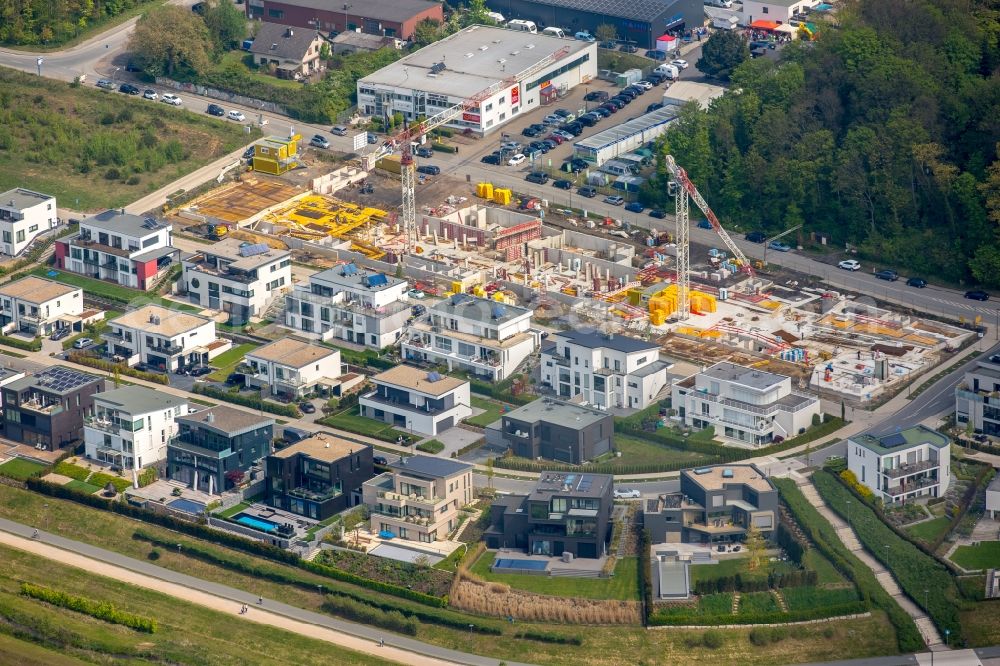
[444, 424]
[586, 550]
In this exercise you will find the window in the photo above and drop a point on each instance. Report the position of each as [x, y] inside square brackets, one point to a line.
[32, 228]
[7, 237]
[277, 13]
[150, 242]
[20, 236]
[765, 9]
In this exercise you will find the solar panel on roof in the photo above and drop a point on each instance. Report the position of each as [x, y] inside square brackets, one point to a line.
[893, 440]
[377, 280]
[62, 379]
[585, 484]
[253, 249]
[349, 269]
[433, 376]
[497, 310]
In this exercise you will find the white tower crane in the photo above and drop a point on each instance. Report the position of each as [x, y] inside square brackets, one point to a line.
[403, 139]
[685, 189]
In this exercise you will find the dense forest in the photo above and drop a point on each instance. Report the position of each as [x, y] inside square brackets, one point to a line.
[882, 133]
[25, 22]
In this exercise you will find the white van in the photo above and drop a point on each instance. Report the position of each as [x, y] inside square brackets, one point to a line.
[617, 169]
[497, 16]
[554, 32]
[668, 70]
[523, 26]
[725, 4]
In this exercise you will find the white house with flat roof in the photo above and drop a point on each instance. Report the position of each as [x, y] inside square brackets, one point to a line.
[119, 247]
[903, 464]
[293, 367]
[744, 405]
[38, 306]
[164, 339]
[23, 216]
[775, 11]
[606, 370]
[130, 427]
[481, 336]
[350, 303]
[237, 277]
[414, 399]
[507, 71]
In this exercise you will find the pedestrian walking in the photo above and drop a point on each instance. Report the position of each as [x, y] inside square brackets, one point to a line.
[260, 601]
[381, 642]
[34, 535]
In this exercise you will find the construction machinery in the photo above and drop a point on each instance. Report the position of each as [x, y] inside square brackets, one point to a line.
[402, 141]
[684, 191]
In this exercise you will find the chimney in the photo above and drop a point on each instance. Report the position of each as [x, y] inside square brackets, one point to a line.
[210, 418]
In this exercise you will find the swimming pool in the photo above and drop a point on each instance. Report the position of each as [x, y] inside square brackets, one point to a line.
[187, 506]
[507, 564]
[256, 523]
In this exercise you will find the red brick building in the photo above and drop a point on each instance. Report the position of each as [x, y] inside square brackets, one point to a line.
[390, 18]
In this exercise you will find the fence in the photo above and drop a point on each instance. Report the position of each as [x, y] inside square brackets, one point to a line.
[214, 93]
[226, 526]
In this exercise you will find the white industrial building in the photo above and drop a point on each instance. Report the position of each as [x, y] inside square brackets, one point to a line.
[902, 465]
[130, 426]
[23, 216]
[775, 11]
[479, 58]
[626, 137]
[681, 92]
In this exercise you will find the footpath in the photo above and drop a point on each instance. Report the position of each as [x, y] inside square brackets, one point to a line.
[225, 599]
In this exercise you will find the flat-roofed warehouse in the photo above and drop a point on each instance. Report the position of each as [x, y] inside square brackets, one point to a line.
[454, 69]
[637, 21]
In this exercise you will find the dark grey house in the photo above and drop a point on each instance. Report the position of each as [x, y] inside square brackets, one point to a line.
[565, 513]
[46, 410]
[554, 430]
[715, 505]
[215, 442]
[638, 21]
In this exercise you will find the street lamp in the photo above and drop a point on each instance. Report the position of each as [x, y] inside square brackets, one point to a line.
[947, 635]
[886, 554]
[848, 512]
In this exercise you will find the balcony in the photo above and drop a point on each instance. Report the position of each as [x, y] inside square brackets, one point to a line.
[351, 305]
[306, 494]
[912, 486]
[182, 443]
[402, 406]
[417, 343]
[790, 403]
[169, 349]
[411, 499]
[84, 241]
[103, 424]
[31, 318]
[912, 468]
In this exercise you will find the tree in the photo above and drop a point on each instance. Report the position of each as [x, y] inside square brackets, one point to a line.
[489, 472]
[606, 32]
[477, 14]
[755, 548]
[171, 40]
[724, 51]
[427, 32]
[235, 476]
[226, 24]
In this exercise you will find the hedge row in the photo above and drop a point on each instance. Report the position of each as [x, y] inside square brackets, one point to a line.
[392, 620]
[790, 543]
[500, 391]
[803, 615]
[441, 617]
[549, 638]
[825, 538]
[34, 344]
[102, 610]
[924, 579]
[251, 400]
[646, 572]
[774, 580]
[107, 366]
[101, 480]
[72, 471]
[525, 465]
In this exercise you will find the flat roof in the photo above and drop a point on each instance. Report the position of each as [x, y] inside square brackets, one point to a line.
[125, 223]
[236, 252]
[716, 477]
[440, 468]
[139, 399]
[901, 439]
[292, 352]
[566, 414]
[226, 420]
[629, 128]
[56, 379]
[407, 376]
[357, 277]
[479, 309]
[598, 340]
[752, 377]
[34, 289]
[638, 10]
[684, 91]
[21, 198]
[321, 446]
[386, 10]
[571, 483]
[159, 320]
[469, 67]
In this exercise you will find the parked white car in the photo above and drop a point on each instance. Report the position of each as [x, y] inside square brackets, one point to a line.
[850, 265]
[645, 85]
[517, 160]
[171, 98]
[680, 63]
[627, 493]
[236, 115]
[150, 94]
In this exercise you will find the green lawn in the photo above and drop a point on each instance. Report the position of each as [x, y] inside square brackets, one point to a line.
[758, 602]
[227, 361]
[825, 571]
[737, 566]
[233, 510]
[493, 411]
[95, 149]
[14, 651]
[637, 451]
[82, 486]
[929, 530]
[431, 446]
[624, 585]
[984, 556]
[352, 421]
[20, 469]
[111, 291]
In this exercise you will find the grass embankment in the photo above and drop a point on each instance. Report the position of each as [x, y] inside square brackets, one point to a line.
[604, 646]
[493, 411]
[108, 290]
[186, 633]
[984, 556]
[20, 469]
[227, 361]
[94, 149]
[623, 586]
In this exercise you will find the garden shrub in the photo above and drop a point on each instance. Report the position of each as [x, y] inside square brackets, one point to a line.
[147, 476]
[72, 471]
[122, 369]
[251, 400]
[101, 480]
[28, 345]
[102, 610]
[713, 639]
[431, 446]
[392, 620]
[852, 481]
[759, 636]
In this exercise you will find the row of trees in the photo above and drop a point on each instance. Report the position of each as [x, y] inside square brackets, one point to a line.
[25, 22]
[883, 134]
[174, 41]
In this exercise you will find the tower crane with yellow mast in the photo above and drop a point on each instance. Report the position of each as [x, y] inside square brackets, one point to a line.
[402, 141]
[686, 190]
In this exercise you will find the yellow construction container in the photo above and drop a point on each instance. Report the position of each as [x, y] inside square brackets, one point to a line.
[665, 302]
[634, 296]
[484, 190]
[657, 318]
[456, 288]
[478, 291]
[276, 155]
[390, 163]
[502, 196]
